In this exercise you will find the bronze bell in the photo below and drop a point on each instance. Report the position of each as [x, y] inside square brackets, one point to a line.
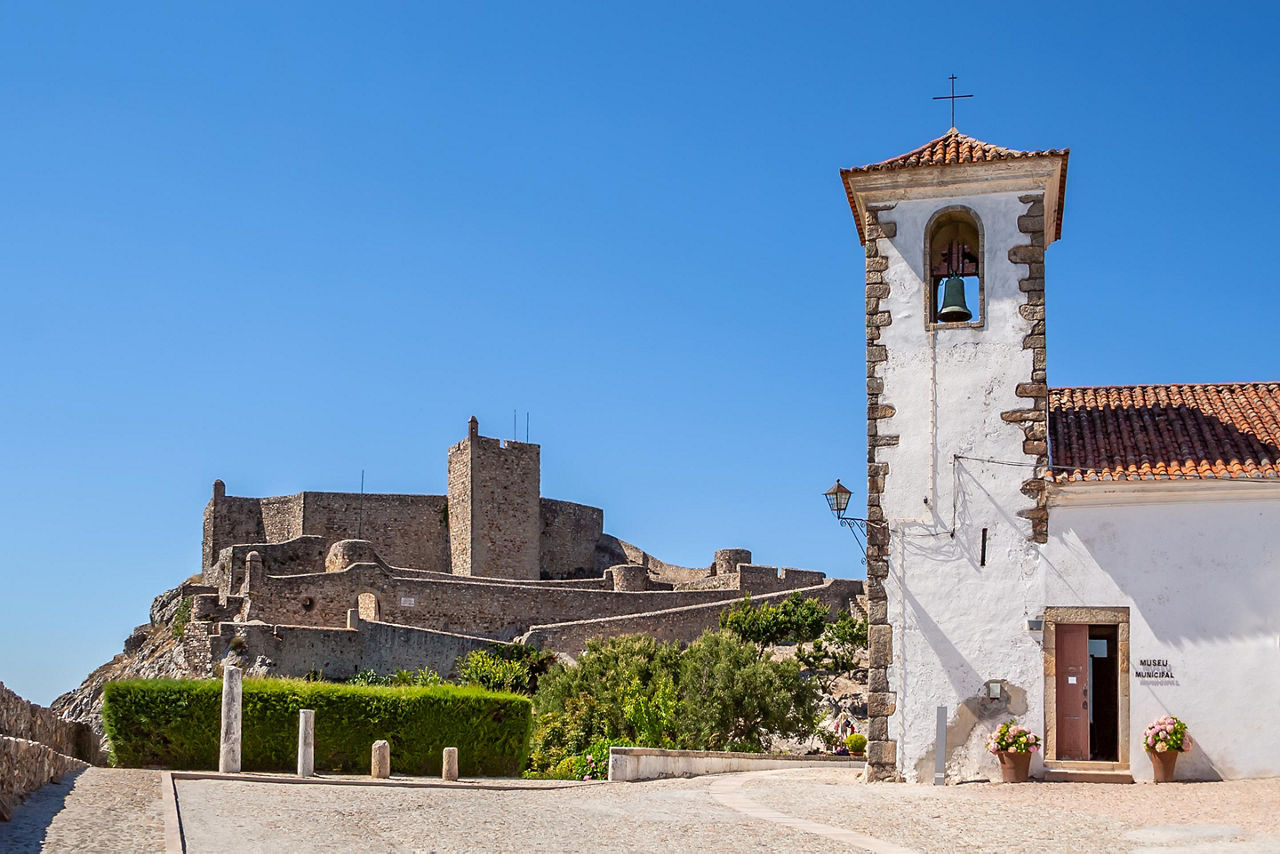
[953, 309]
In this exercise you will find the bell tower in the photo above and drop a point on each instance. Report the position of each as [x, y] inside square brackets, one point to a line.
[955, 234]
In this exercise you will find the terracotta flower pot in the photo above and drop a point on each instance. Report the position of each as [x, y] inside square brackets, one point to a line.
[1162, 764]
[1014, 766]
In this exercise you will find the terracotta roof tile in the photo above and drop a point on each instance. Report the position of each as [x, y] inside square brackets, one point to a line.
[1165, 432]
[955, 147]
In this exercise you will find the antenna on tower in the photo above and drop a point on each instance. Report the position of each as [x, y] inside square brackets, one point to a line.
[360, 523]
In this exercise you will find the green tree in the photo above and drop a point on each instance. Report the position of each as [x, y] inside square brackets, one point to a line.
[795, 619]
[733, 699]
[839, 649]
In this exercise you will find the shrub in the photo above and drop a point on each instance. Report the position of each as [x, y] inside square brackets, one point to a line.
[421, 676]
[732, 699]
[612, 673]
[793, 620]
[174, 723]
[483, 668]
[856, 743]
[182, 616]
[719, 694]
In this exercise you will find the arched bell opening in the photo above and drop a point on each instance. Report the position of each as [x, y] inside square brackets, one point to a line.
[953, 258]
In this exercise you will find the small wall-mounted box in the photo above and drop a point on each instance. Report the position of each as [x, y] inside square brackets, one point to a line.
[994, 688]
[1035, 624]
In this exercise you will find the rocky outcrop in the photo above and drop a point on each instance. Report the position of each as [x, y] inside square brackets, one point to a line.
[154, 650]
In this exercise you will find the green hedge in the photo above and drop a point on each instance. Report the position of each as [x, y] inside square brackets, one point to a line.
[174, 723]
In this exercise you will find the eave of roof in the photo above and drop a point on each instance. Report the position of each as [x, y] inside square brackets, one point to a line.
[954, 149]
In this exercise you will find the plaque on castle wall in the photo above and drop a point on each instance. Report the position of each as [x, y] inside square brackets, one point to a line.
[407, 601]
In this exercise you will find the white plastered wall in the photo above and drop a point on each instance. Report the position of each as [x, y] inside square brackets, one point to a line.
[1199, 568]
[956, 623]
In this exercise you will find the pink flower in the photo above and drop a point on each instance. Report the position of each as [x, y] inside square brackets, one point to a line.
[1034, 748]
[586, 776]
[1162, 747]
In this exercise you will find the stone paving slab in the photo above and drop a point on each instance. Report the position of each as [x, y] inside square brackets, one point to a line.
[220, 816]
[796, 811]
[1036, 817]
[96, 810]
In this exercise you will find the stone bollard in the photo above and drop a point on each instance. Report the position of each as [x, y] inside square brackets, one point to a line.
[306, 742]
[450, 765]
[381, 764]
[229, 749]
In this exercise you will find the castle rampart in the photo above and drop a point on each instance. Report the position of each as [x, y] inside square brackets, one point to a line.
[427, 578]
[468, 606]
[675, 623]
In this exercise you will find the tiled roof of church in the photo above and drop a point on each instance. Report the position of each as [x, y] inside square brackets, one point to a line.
[1165, 432]
[955, 147]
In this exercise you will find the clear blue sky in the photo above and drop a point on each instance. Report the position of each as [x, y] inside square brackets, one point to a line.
[279, 243]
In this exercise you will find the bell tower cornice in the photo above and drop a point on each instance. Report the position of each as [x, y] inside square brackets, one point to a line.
[957, 165]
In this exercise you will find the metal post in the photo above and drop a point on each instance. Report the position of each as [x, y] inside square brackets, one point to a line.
[940, 749]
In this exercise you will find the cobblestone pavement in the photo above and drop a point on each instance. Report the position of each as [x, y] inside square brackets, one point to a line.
[824, 810]
[99, 809]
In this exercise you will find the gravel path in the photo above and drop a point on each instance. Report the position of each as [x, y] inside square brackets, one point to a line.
[99, 809]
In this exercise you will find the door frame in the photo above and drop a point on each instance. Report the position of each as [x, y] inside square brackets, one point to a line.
[1118, 617]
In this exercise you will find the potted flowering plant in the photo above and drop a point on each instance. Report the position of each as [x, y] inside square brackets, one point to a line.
[1013, 745]
[1165, 738]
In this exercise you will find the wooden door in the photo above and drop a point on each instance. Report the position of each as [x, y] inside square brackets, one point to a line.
[1071, 658]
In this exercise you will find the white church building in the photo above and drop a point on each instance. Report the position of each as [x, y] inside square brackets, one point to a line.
[1084, 560]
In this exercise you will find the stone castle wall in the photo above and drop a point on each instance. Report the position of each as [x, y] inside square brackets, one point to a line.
[569, 543]
[673, 623]
[448, 603]
[340, 653]
[407, 530]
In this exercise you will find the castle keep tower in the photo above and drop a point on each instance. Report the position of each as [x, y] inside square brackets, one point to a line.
[495, 518]
[955, 234]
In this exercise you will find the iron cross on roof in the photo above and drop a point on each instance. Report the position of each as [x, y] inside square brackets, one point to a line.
[952, 98]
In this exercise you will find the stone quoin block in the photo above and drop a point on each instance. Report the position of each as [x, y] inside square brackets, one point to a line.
[880, 643]
[882, 703]
[877, 680]
[882, 753]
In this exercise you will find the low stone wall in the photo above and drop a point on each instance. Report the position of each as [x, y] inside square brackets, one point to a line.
[27, 721]
[673, 624]
[26, 766]
[632, 764]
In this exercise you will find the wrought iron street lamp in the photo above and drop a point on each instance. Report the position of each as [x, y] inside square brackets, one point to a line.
[838, 500]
